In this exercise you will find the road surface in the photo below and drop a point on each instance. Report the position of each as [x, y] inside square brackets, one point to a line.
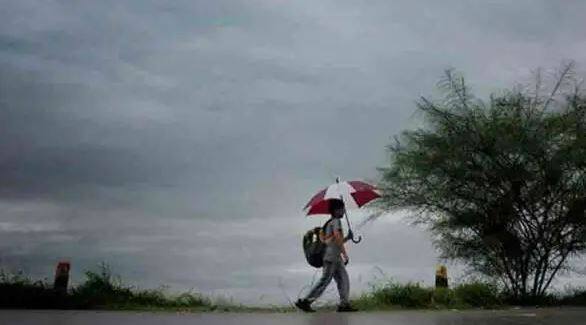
[565, 316]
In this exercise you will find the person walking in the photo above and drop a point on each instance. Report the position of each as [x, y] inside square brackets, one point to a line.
[335, 261]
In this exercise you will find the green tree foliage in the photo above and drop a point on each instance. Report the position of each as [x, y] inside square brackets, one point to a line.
[501, 183]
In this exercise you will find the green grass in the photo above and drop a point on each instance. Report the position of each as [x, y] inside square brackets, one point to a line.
[390, 295]
[18, 291]
[478, 294]
[393, 295]
[573, 297]
[102, 290]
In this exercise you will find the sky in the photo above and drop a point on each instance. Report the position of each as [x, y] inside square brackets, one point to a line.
[178, 141]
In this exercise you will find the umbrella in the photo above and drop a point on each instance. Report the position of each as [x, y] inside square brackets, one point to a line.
[355, 194]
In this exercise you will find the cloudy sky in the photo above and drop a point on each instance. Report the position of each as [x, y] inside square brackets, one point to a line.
[178, 140]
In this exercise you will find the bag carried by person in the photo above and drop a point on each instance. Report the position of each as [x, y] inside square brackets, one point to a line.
[313, 247]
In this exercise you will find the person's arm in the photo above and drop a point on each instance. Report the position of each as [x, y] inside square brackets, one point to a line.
[340, 240]
[349, 236]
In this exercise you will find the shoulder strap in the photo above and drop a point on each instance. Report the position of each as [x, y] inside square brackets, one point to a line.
[326, 224]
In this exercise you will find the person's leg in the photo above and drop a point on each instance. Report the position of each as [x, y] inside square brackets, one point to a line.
[322, 284]
[343, 283]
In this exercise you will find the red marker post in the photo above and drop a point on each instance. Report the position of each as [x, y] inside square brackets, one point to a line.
[62, 277]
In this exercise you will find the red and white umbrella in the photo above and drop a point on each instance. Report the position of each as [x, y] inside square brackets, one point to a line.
[355, 194]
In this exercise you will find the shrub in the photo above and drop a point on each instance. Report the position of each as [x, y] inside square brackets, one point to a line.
[103, 289]
[573, 297]
[444, 297]
[19, 291]
[410, 295]
[478, 294]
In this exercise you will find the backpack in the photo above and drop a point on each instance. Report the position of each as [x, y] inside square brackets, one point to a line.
[313, 248]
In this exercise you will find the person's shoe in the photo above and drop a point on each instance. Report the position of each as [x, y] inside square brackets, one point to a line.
[346, 309]
[304, 305]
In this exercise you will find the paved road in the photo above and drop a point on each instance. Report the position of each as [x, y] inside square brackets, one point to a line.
[566, 316]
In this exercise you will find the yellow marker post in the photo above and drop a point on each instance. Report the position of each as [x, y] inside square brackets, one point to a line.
[441, 277]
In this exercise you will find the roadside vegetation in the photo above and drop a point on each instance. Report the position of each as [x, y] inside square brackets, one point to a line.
[103, 290]
[473, 295]
[100, 290]
[499, 182]
[392, 294]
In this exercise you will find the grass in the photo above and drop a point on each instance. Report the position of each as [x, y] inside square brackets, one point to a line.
[393, 295]
[102, 290]
[19, 291]
[390, 295]
[574, 297]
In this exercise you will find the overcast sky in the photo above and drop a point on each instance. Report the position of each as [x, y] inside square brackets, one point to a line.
[179, 140]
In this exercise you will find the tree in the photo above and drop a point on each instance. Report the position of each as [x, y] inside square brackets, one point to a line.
[500, 183]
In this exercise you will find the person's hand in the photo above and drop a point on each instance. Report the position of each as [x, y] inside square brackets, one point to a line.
[349, 236]
[345, 258]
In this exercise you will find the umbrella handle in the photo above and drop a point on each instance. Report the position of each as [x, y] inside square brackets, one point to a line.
[351, 237]
[350, 233]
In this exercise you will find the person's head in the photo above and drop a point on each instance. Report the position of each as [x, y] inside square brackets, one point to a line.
[336, 208]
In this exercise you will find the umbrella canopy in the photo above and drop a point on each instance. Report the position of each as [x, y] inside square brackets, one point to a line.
[354, 193]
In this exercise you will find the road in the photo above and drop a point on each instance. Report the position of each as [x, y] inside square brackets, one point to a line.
[566, 316]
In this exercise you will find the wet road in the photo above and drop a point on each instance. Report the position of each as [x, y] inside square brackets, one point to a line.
[566, 316]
